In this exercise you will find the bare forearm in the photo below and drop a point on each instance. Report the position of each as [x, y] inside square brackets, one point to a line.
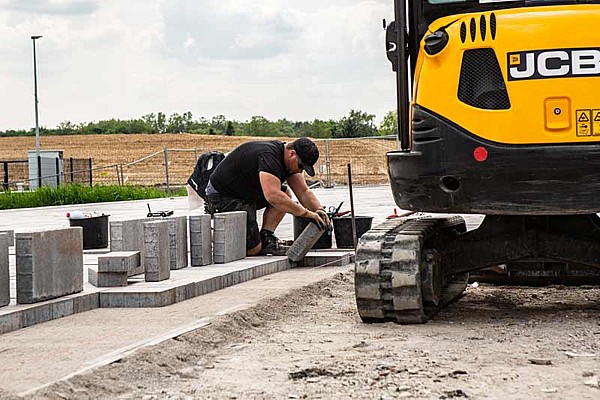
[283, 203]
[309, 200]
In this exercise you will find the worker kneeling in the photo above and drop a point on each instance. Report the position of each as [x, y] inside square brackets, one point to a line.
[253, 176]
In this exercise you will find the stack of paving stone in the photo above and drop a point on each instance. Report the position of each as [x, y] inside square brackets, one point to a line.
[114, 268]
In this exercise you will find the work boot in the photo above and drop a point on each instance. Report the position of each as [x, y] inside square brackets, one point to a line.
[271, 244]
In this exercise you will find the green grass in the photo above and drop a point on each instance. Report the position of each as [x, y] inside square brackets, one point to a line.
[76, 194]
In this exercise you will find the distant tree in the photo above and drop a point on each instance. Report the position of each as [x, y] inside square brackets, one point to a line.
[161, 122]
[260, 126]
[230, 130]
[219, 124]
[357, 124]
[389, 125]
[66, 128]
[283, 127]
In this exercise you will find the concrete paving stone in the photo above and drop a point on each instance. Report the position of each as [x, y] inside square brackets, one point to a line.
[111, 300]
[86, 302]
[307, 262]
[11, 236]
[4, 271]
[128, 235]
[180, 294]
[120, 261]
[201, 252]
[236, 277]
[11, 322]
[62, 308]
[164, 298]
[37, 314]
[49, 264]
[157, 258]
[304, 242]
[212, 284]
[107, 279]
[200, 288]
[230, 237]
[178, 241]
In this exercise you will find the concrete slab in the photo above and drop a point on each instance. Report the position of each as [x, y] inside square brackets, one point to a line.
[4, 270]
[201, 252]
[230, 237]
[107, 279]
[157, 253]
[119, 261]
[49, 264]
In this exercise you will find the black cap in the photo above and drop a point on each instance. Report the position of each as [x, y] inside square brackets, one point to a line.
[308, 154]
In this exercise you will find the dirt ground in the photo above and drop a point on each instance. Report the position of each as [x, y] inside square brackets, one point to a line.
[495, 342]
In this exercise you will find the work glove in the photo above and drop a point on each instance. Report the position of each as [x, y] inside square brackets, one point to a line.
[314, 217]
[325, 217]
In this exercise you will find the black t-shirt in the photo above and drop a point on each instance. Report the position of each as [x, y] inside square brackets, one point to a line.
[237, 174]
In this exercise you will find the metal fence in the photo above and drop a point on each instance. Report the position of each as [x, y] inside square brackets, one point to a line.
[15, 173]
[170, 168]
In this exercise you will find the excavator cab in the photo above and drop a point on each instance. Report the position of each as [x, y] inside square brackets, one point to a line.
[498, 115]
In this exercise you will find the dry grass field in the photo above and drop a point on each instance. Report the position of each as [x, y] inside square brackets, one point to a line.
[367, 156]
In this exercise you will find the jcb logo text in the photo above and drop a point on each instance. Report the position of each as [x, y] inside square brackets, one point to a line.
[558, 63]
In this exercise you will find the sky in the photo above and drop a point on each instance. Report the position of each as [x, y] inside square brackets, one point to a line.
[101, 59]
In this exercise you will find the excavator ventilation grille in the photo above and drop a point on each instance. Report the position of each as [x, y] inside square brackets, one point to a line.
[481, 83]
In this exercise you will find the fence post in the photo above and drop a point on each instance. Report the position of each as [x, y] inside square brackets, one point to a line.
[167, 170]
[90, 164]
[118, 175]
[71, 168]
[5, 176]
[329, 183]
[57, 171]
[39, 171]
[122, 179]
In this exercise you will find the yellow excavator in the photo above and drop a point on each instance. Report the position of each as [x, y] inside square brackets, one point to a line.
[503, 121]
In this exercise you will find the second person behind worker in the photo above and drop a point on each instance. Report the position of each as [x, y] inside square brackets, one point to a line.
[253, 176]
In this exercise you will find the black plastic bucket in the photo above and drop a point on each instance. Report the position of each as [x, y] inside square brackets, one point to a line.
[95, 231]
[342, 226]
[324, 241]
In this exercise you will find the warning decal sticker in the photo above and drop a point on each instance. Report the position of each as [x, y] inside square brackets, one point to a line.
[584, 122]
[596, 122]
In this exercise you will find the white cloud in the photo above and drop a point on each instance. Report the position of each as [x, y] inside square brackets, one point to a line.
[57, 7]
[277, 58]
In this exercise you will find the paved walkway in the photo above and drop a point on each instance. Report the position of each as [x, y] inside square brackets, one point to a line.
[89, 339]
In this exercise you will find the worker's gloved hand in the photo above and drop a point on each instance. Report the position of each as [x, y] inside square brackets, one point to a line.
[314, 217]
[324, 217]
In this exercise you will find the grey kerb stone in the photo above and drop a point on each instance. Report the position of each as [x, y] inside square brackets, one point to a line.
[200, 240]
[230, 236]
[157, 258]
[49, 264]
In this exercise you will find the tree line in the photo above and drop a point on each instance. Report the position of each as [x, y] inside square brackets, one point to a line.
[355, 124]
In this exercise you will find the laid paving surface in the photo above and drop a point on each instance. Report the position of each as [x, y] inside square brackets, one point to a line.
[82, 340]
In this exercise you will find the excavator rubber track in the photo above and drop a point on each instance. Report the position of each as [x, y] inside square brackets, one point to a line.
[397, 278]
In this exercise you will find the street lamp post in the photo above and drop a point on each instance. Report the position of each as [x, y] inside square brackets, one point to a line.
[37, 125]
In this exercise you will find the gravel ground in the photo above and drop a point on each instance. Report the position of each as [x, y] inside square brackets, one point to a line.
[495, 342]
